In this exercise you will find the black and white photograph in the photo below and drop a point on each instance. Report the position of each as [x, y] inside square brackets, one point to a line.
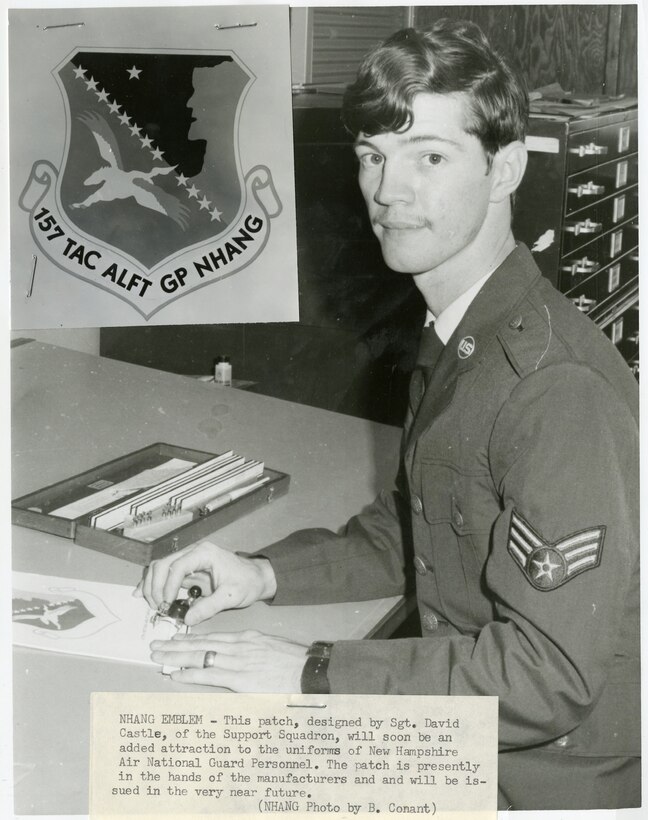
[325, 381]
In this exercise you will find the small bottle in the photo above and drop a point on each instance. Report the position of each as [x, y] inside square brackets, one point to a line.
[223, 372]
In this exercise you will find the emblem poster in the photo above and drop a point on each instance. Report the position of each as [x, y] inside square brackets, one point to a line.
[151, 166]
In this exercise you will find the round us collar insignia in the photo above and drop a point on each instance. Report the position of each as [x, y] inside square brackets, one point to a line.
[466, 347]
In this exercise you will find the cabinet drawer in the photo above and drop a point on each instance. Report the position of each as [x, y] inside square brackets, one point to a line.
[599, 182]
[624, 332]
[597, 281]
[585, 297]
[602, 250]
[598, 145]
[599, 218]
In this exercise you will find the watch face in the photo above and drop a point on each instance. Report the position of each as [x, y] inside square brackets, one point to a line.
[320, 649]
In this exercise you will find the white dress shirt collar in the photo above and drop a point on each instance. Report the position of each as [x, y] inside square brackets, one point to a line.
[448, 320]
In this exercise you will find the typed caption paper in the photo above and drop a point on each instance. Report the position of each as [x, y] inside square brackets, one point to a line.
[339, 756]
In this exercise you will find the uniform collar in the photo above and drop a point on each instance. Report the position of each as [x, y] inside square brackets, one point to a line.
[495, 303]
[449, 318]
[496, 299]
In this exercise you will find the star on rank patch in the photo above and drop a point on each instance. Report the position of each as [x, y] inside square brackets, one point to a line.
[548, 566]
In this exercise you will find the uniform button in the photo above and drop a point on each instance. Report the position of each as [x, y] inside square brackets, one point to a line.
[561, 742]
[516, 323]
[419, 565]
[458, 518]
[430, 622]
[417, 505]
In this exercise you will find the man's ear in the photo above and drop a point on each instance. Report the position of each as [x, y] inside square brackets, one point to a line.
[508, 167]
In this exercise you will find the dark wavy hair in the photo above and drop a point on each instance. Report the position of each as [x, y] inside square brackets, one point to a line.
[453, 56]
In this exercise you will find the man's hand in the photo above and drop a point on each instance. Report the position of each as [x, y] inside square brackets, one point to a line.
[245, 661]
[227, 580]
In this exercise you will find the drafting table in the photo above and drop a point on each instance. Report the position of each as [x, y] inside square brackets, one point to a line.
[72, 411]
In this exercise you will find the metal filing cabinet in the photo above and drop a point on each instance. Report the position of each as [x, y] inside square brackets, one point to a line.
[578, 211]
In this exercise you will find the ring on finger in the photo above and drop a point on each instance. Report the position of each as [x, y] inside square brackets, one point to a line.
[210, 659]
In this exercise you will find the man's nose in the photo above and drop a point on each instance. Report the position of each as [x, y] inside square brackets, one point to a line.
[394, 186]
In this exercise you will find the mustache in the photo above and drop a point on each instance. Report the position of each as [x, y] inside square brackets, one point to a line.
[395, 222]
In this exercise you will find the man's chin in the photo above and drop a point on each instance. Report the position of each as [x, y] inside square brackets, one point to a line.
[401, 259]
[400, 263]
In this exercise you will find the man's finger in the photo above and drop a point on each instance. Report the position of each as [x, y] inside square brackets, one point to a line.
[197, 559]
[206, 607]
[218, 637]
[154, 583]
[196, 647]
[206, 677]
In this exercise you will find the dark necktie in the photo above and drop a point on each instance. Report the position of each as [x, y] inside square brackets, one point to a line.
[430, 348]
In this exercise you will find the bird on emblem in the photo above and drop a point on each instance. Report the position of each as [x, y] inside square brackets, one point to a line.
[117, 183]
[47, 616]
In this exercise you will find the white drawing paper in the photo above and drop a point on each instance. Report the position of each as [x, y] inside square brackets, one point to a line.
[84, 618]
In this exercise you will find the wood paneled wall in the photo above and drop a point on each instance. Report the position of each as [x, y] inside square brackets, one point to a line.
[587, 49]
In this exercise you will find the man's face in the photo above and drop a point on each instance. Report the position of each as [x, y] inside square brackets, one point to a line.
[427, 189]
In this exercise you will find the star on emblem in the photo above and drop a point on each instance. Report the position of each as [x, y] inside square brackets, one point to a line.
[133, 73]
[545, 567]
[79, 72]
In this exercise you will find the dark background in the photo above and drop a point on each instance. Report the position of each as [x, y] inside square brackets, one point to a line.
[355, 344]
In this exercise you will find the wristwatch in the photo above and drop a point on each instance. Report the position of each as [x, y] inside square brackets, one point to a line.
[314, 678]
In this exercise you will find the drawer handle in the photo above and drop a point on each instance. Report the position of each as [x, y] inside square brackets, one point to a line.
[584, 227]
[588, 189]
[583, 265]
[583, 303]
[589, 150]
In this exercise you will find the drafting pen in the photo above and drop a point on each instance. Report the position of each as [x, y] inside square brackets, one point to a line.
[221, 500]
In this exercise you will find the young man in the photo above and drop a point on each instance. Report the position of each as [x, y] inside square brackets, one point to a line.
[517, 506]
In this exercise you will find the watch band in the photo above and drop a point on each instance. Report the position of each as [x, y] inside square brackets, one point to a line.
[314, 678]
[320, 649]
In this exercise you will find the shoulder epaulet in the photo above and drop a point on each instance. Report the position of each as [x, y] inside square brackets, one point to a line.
[529, 336]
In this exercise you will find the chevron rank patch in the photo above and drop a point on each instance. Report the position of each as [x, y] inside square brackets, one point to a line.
[548, 566]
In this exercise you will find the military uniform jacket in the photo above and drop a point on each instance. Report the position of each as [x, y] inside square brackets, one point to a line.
[518, 510]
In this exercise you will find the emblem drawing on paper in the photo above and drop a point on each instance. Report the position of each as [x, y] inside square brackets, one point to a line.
[64, 612]
[150, 200]
[89, 618]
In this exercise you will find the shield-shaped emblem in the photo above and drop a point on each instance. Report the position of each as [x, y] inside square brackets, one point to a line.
[58, 615]
[150, 200]
[151, 162]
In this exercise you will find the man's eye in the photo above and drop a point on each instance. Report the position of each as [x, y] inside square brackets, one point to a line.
[433, 159]
[370, 160]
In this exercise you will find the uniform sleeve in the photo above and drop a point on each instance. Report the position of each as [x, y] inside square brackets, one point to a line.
[564, 556]
[366, 560]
